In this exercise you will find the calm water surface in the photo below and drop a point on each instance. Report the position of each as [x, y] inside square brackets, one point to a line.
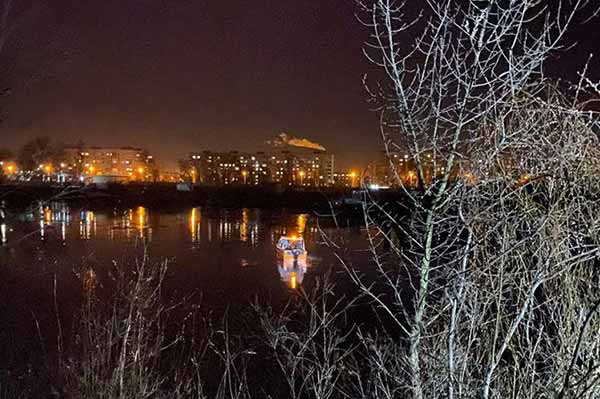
[228, 255]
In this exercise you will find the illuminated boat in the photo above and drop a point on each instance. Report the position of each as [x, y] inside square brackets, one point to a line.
[291, 256]
[291, 247]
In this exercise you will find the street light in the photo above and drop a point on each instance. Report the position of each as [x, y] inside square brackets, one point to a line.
[302, 174]
[353, 176]
[411, 176]
[140, 171]
[245, 175]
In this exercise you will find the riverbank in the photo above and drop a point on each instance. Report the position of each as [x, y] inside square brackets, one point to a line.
[166, 195]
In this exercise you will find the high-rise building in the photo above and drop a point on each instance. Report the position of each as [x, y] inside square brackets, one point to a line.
[287, 168]
[123, 163]
[227, 168]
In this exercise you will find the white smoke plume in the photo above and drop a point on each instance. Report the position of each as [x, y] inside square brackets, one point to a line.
[284, 139]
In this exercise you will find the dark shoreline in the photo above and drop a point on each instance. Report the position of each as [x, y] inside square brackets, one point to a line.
[166, 195]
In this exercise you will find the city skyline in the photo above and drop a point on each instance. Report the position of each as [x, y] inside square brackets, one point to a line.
[292, 162]
[205, 75]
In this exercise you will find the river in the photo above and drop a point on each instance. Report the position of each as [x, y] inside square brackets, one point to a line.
[227, 254]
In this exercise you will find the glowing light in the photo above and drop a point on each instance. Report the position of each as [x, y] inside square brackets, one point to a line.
[48, 215]
[86, 224]
[142, 216]
[244, 226]
[140, 170]
[301, 224]
[63, 231]
[195, 225]
[293, 281]
[141, 211]
[10, 168]
[525, 179]
[411, 175]
[3, 237]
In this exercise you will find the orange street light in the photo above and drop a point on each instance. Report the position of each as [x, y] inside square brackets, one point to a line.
[411, 177]
[353, 176]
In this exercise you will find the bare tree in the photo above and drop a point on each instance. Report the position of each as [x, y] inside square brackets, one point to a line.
[311, 357]
[497, 243]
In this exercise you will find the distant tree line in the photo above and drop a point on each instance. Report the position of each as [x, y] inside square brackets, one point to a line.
[39, 150]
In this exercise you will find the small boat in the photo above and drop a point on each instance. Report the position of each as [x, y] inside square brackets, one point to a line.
[291, 255]
[291, 247]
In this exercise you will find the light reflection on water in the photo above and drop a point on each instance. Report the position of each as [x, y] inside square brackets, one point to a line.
[3, 234]
[242, 238]
[292, 270]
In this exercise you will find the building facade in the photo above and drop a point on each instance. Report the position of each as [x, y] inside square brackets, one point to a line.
[286, 168]
[122, 163]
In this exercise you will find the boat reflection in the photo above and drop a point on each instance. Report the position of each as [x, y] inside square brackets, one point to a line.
[292, 270]
[292, 260]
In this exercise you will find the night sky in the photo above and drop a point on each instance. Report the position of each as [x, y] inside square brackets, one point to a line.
[175, 76]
